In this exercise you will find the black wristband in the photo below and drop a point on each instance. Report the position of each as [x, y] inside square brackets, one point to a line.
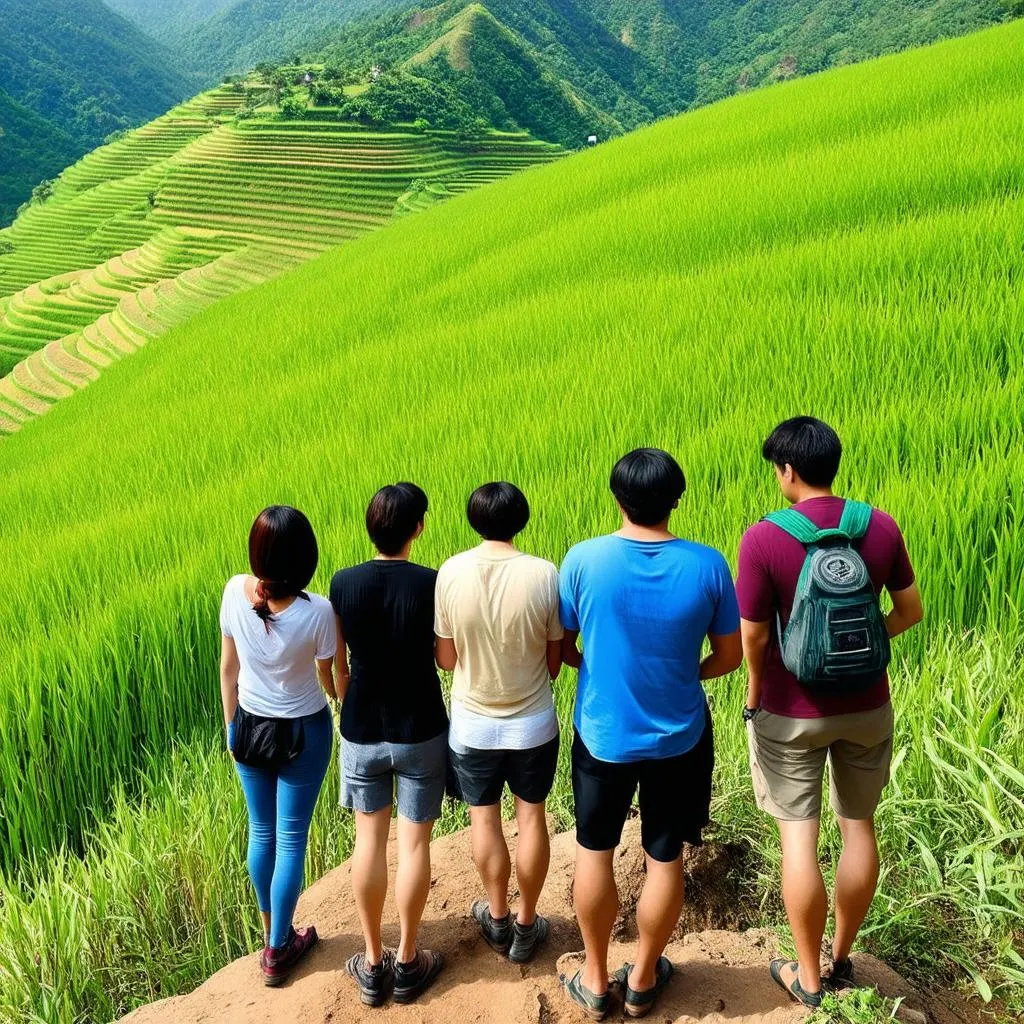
[749, 713]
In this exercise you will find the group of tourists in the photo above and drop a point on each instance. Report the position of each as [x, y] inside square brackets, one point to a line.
[632, 612]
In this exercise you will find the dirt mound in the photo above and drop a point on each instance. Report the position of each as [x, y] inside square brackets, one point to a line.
[722, 974]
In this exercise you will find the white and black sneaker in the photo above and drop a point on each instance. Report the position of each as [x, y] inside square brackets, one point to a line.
[497, 933]
[527, 939]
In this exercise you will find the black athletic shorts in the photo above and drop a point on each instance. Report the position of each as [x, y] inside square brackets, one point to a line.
[675, 797]
[480, 775]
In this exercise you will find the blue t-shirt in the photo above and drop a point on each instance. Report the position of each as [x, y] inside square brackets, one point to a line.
[643, 609]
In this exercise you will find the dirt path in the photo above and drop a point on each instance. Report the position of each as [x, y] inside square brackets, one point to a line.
[722, 975]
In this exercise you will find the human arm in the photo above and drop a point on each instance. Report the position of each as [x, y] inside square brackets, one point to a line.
[758, 602]
[554, 656]
[725, 657]
[567, 613]
[723, 631]
[326, 637]
[756, 637]
[341, 672]
[555, 632]
[445, 654]
[229, 669]
[907, 610]
[571, 654]
[325, 673]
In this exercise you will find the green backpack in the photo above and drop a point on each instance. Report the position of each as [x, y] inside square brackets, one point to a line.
[835, 640]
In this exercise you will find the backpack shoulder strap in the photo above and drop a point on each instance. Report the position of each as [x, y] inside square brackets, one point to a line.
[796, 524]
[856, 519]
[854, 524]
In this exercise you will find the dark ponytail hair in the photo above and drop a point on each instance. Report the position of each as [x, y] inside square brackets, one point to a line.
[283, 555]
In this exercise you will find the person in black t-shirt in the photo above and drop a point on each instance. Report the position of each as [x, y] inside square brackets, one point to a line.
[394, 733]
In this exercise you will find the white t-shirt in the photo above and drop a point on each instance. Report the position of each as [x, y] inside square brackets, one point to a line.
[277, 677]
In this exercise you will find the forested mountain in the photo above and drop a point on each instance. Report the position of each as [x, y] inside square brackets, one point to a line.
[158, 17]
[560, 68]
[620, 63]
[633, 60]
[31, 148]
[84, 71]
[249, 31]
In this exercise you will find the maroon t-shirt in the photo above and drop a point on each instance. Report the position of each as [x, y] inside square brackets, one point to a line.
[769, 567]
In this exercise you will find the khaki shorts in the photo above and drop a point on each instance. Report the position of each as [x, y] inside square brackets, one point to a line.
[787, 762]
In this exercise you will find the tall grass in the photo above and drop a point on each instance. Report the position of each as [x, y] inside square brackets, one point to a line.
[848, 245]
[162, 898]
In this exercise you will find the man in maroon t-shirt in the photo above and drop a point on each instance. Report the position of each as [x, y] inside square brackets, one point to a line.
[793, 730]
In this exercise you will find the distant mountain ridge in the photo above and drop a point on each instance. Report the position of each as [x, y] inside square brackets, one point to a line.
[84, 72]
[31, 149]
[159, 17]
[566, 69]
[633, 60]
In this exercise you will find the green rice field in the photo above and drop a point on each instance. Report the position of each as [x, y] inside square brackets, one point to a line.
[849, 245]
[141, 234]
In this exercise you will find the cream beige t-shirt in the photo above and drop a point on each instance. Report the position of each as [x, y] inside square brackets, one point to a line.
[501, 609]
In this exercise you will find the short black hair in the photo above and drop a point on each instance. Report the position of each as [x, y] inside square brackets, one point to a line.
[498, 511]
[393, 514]
[647, 483]
[811, 447]
[283, 556]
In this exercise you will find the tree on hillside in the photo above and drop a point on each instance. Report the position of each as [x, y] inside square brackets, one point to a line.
[293, 108]
[398, 96]
[42, 191]
[324, 95]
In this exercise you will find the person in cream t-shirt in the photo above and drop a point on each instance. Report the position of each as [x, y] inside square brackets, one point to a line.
[498, 631]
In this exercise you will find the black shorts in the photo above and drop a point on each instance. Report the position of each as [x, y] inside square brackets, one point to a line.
[480, 775]
[675, 797]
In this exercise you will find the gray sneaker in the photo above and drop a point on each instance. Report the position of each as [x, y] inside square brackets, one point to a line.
[497, 933]
[526, 939]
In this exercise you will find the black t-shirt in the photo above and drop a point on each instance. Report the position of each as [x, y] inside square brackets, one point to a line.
[387, 616]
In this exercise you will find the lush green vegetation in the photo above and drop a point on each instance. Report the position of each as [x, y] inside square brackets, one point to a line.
[632, 60]
[31, 148]
[853, 240]
[249, 31]
[83, 70]
[144, 232]
[162, 17]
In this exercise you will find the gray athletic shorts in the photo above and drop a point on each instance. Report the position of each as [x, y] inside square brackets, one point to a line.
[371, 773]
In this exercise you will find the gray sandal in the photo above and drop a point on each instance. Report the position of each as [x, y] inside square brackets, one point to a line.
[796, 991]
[593, 1005]
[639, 1004]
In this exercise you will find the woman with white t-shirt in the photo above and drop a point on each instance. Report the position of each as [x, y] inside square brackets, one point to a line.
[277, 656]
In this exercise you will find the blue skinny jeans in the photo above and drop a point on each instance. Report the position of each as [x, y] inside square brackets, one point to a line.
[280, 807]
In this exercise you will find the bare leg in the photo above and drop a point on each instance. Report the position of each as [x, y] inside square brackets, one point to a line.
[412, 883]
[856, 881]
[490, 855]
[657, 914]
[596, 900]
[370, 876]
[533, 853]
[803, 892]
[265, 915]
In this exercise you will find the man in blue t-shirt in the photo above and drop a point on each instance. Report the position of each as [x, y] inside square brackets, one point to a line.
[644, 600]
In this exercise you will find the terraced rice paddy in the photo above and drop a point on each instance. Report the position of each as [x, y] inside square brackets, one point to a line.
[848, 245]
[143, 233]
